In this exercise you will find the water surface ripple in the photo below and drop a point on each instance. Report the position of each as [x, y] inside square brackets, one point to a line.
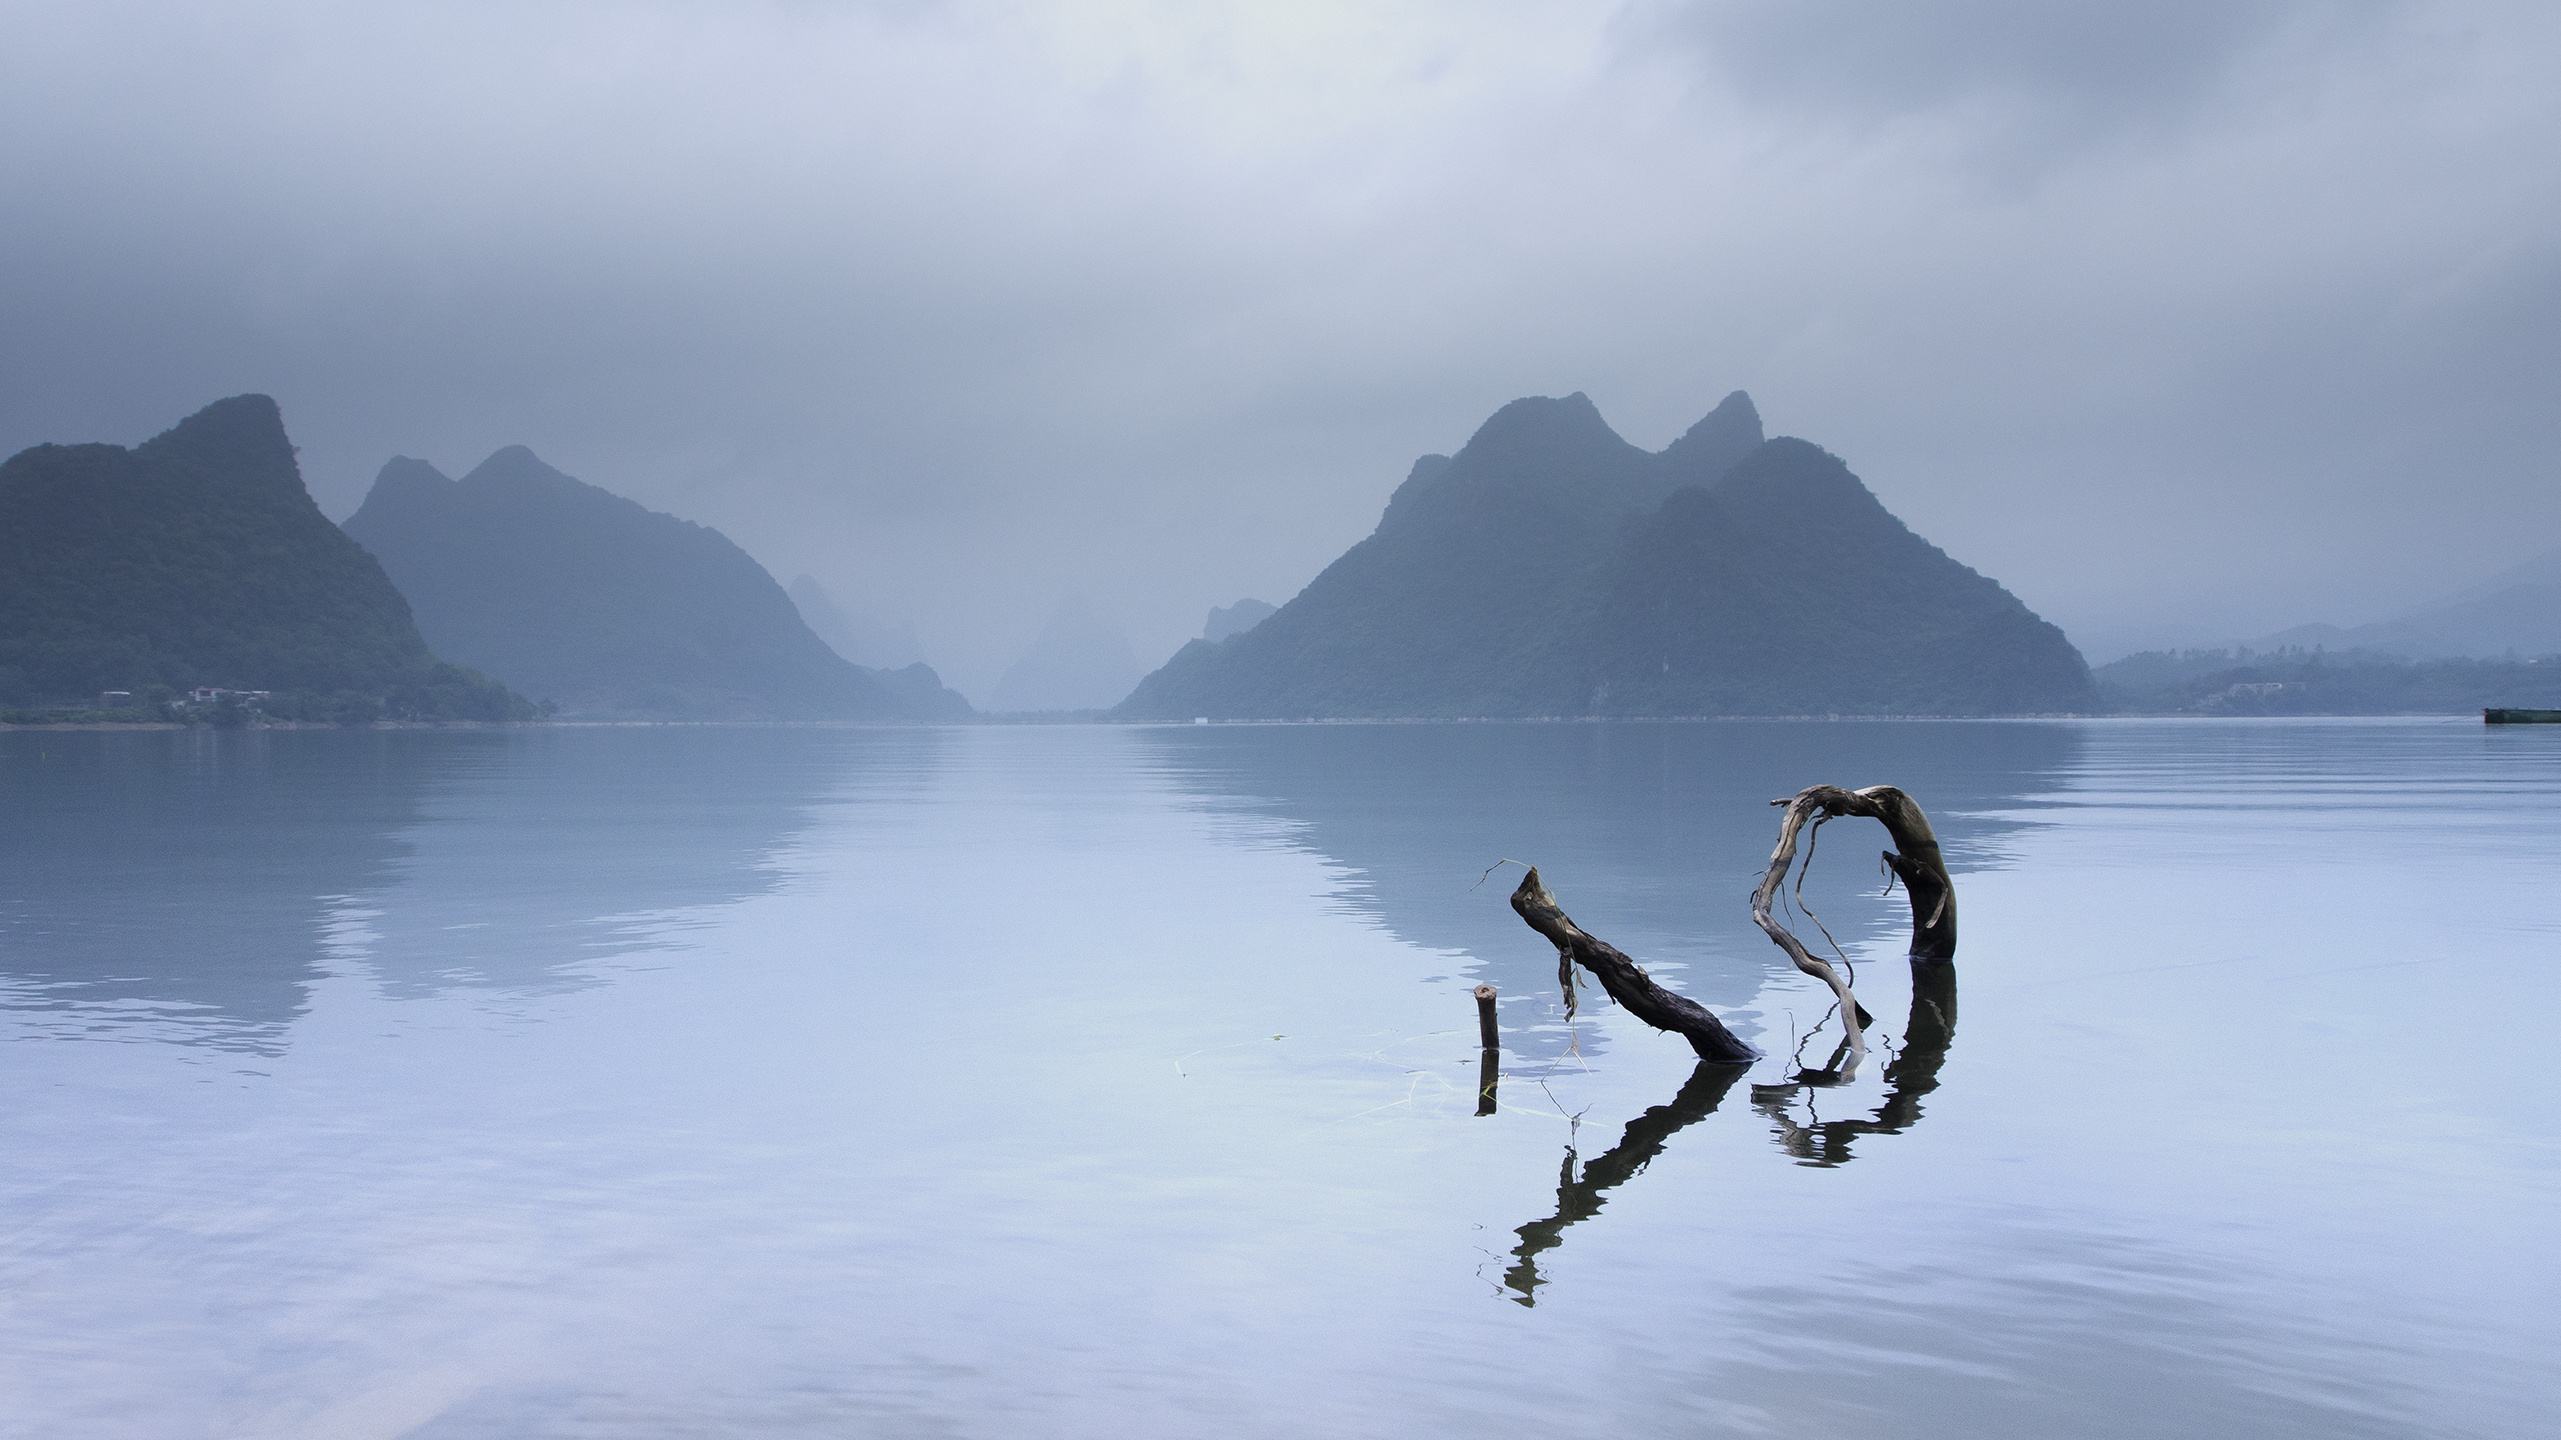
[734, 1081]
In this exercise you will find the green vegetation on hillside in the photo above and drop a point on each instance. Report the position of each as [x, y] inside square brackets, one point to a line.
[197, 559]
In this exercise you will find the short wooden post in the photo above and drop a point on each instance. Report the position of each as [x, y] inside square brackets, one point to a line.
[1489, 1063]
[1486, 1035]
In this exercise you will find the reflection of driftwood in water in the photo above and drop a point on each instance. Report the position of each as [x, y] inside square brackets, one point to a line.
[1625, 980]
[1580, 1199]
[1915, 861]
[1911, 1075]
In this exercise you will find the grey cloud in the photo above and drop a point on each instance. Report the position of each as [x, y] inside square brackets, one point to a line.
[964, 308]
[2071, 74]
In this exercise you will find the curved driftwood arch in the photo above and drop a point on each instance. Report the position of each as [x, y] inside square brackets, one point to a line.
[1915, 860]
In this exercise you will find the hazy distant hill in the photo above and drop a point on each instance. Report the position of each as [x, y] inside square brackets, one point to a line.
[1236, 619]
[579, 596]
[855, 637]
[198, 559]
[2516, 612]
[1551, 568]
[2302, 681]
[1079, 661]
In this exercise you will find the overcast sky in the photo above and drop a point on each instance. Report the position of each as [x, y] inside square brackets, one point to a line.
[2190, 319]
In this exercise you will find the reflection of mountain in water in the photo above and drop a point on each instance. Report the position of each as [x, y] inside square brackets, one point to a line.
[176, 877]
[1651, 835]
[201, 882]
[543, 853]
[564, 844]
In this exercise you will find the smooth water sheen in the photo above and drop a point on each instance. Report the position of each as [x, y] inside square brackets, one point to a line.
[1122, 1082]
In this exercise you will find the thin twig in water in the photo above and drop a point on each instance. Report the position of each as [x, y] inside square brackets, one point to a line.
[1571, 1115]
[1804, 868]
[1416, 1084]
[1205, 1049]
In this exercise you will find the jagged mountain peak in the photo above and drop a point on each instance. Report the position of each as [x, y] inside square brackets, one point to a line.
[1735, 409]
[1231, 620]
[1550, 568]
[198, 558]
[1721, 437]
[518, 465]
[1549, 455]
[402, 472]
[1543, 428]
[242, 437]
[590, 599]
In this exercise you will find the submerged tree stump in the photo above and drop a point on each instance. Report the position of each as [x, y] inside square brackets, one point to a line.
[1915, 860]
[1625, 980]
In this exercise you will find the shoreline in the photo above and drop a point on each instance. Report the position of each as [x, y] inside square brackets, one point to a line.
[1009, 721]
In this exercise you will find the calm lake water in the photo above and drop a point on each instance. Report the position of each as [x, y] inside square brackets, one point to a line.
[1123, 1082]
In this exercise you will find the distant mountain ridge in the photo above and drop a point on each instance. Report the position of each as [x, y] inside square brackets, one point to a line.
[1236, 619]
[2515, 612]
[1550, 568]
[579, 596]
[856, 637]
[2303, 681]
[1080, 660]
[198, 559]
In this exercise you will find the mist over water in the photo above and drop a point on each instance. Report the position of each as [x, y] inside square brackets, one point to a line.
[962, 307]
[649, 1009]
[741, 1080]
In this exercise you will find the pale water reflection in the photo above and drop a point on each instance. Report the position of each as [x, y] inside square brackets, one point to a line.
[1123, 1082]
[1661, 828]
[205, 881]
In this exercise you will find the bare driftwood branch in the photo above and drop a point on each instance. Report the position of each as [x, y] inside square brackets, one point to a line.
[1915, 860]
[1625, 980]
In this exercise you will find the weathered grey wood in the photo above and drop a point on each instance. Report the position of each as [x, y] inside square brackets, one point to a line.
[1915, 861]
[1626, 981]
[1487, 1036]
[1915, 858]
